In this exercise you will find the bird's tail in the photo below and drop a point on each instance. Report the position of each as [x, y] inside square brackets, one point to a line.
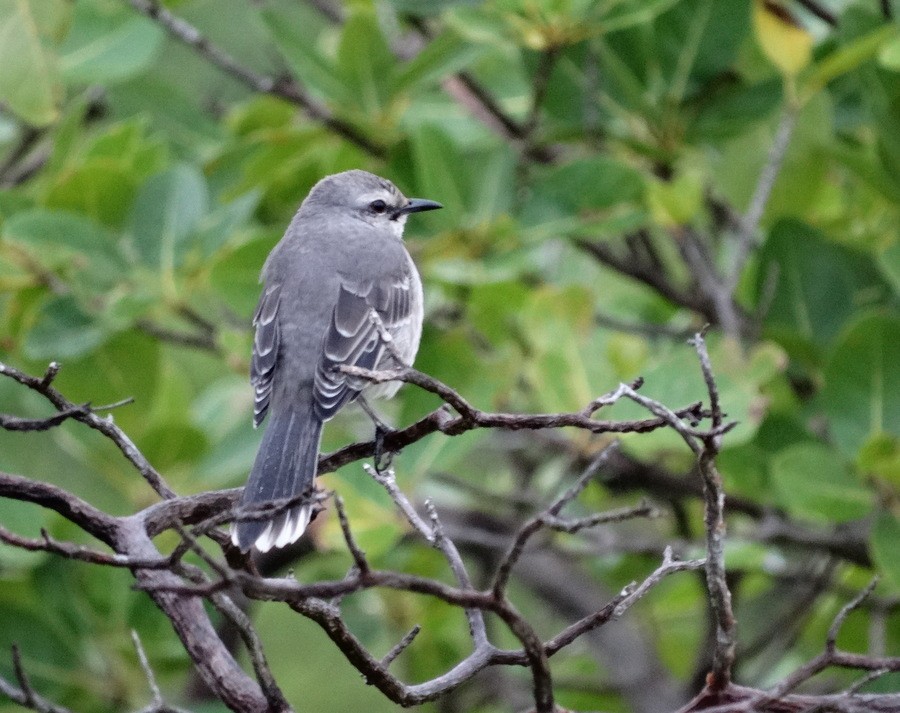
[285, 467]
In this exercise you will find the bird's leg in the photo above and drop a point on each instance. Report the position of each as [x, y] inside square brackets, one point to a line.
[382, 457]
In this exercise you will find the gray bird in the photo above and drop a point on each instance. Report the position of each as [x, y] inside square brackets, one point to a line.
[338, 280]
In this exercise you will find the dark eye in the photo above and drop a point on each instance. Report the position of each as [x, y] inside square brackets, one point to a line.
[378, 206]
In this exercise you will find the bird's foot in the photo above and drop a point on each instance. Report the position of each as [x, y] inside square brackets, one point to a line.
[383, 457]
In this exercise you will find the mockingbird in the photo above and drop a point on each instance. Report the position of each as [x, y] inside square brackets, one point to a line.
[338, 289]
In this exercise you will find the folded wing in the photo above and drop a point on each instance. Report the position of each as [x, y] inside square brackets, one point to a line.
[354, 338]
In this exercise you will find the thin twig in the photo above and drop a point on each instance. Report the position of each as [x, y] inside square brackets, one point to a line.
[105, 426]
[359, 557]
[291, 91]
[24, 694]
[846, 610]
[540, 85]
[28, 138]
[201, 340]
[400, 646]
[148, 671]
[669, 565]
[248, 634]
[71, 550]
[746, 238]
[532, 526]
[823, 13]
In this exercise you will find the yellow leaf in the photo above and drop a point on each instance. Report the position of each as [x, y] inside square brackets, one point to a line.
[782, 39]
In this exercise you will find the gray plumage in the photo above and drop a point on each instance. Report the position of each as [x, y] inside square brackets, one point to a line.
[340, 262]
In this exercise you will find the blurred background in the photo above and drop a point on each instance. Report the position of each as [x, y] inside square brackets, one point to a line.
[615, 175]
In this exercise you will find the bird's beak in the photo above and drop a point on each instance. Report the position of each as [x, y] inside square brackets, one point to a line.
[416, 205]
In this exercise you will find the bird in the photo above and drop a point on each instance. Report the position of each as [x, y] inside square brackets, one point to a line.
[339, 288]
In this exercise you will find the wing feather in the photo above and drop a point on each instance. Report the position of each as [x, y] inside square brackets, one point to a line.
[265, 350]
[354, 339]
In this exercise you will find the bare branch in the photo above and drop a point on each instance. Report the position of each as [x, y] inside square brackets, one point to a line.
[14, 423]
[71, 550]
[178, 588]
[28, 138]
[714, 519]
[273, 694]
[470, 417]
[713, 286]
[93, 521]
[650, 275]
[434, 535]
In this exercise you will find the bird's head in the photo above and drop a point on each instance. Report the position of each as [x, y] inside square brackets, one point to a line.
[367, 197]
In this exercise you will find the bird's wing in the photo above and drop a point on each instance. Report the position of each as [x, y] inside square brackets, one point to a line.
[265, 350]
[354, 338]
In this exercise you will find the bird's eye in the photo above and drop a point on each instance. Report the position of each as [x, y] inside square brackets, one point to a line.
[378, 206]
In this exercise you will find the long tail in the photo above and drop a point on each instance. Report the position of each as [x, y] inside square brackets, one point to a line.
[285, 467]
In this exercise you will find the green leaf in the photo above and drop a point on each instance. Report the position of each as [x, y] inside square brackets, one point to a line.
[445, 54]
[809, 481]
[880, 456]
[100, 189]
[366, 63]
[744, 471]
[728, 110]
[437, 160]
[236, 275]
[889, 261]
[628, 15]
[675, 202]
[166, 211]
[217, 228]
[848, 58]
[28, 80]
[586, 185]
[861, 393]
[125, 366]
[819, 286]
[885, 552]
[128, 144]
[889, 56]
[62, 331]
[291, 29]
[672, 376]
[56, 228]
[105, 48]
[169, 444]
[70, 243]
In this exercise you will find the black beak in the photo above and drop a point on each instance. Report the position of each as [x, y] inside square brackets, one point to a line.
[416, 205]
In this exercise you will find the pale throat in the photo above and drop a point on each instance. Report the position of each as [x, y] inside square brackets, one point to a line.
[397, 226]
